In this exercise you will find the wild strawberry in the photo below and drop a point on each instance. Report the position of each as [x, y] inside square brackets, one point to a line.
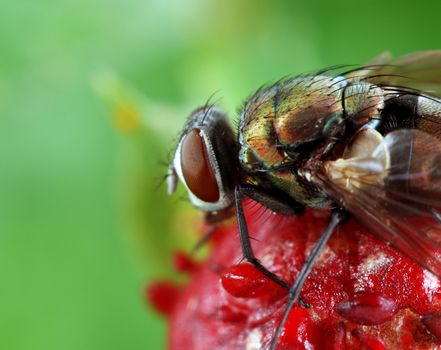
[363, 294]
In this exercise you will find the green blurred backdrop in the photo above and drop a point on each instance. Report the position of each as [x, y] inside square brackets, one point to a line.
[91, 95]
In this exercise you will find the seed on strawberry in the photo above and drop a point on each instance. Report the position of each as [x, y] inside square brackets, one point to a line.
[367, 309]
[245, 281]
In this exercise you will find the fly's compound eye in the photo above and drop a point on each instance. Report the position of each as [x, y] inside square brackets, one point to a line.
[196, 167]
[205, 159]
[334, 126]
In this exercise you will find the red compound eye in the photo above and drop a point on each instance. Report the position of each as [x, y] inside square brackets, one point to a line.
[196, 168]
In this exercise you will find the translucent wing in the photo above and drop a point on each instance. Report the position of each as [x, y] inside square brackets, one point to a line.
[419, 71]
[393, 188]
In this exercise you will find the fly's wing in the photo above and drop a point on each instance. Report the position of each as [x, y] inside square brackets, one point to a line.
[395, 191]
[418, 71]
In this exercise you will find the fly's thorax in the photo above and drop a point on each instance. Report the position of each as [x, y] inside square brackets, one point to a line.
[257, 136]
[303, 107]
[278, 118]
[362, 102]
[205, 160]
[325, 108]
[283, 125]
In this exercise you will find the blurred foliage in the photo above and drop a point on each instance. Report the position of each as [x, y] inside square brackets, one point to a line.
[82, 227]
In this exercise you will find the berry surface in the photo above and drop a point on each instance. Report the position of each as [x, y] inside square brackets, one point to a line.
[363, 294]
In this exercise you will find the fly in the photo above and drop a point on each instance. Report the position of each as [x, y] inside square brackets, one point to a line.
[364, 142]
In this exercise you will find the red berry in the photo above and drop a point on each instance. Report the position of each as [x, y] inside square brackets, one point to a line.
[367, 309]
[363, 293]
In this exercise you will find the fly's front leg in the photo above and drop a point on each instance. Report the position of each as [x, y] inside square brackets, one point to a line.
[213, 220]
[204, 239]
[245, 242]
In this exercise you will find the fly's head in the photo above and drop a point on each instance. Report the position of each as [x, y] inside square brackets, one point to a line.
[205, 160]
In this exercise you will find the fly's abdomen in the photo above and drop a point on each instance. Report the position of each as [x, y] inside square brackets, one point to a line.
[430, 111]
[408, 110]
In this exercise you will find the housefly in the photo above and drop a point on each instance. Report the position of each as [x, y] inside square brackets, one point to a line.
[364, 142]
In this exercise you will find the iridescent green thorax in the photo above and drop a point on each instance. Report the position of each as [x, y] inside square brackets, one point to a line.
[279, 121]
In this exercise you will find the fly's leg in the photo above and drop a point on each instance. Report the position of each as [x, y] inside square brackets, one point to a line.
[204, 239]
[283, 206]
[212, 220]
[294, 291]
[436, 215]
[245, 242]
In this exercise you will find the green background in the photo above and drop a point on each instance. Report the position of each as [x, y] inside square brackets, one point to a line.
[92, 94]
